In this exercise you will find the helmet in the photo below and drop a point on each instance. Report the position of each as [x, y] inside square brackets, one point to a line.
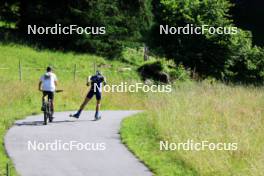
[98, 72]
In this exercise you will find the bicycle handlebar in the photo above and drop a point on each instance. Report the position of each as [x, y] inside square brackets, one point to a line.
[57, 91]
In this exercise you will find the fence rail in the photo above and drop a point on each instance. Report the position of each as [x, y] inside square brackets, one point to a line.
[73, 70]
[4, 68]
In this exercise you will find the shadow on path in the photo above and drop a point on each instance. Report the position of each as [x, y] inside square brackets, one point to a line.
[39, 123]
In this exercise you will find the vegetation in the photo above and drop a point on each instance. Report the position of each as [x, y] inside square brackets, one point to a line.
[229, 58]
[163, 70]
[200, 109]
[225, 57]
[123, 20]
[200, 112]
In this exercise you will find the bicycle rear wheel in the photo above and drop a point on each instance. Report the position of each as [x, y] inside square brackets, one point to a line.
[45, 117]
[45, 113]
[50, 113]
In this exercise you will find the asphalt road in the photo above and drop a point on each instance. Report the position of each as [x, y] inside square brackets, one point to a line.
[72, 147]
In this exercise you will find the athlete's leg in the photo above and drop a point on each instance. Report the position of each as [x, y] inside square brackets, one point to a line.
[44, 94]
[85, 102]
[98, 105]
[97, 115]
[98, 101]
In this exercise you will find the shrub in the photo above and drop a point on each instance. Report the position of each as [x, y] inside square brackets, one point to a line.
[163, 71]
[228, 57]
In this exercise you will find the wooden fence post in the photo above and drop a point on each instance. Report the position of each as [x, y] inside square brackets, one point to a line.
[94, 67]
[74, 72]
[20, 70]
[7, 170]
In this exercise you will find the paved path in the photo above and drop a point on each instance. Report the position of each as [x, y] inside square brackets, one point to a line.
[93, 136]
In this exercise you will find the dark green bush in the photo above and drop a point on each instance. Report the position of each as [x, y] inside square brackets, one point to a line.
[163, 71]
[124, 20]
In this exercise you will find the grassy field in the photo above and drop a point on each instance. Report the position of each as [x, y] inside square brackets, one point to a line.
[197, 111]
[21, 98]
[201, 112]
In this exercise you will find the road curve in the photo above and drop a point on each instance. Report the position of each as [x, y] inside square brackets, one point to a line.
[96, 148]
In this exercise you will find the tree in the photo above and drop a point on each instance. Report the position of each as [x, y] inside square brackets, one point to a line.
[208, 54]
[8, 10]
[124, 20]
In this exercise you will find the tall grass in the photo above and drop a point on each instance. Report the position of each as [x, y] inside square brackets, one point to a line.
[214, 113]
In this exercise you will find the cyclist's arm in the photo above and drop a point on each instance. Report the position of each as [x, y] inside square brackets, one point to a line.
[39, 85]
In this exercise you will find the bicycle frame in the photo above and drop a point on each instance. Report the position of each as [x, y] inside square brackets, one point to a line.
[47, 110]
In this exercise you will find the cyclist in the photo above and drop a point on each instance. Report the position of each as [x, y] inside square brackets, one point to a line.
[47, 85]
[96, 82]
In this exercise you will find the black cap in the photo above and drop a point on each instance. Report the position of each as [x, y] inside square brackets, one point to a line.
[49, 69]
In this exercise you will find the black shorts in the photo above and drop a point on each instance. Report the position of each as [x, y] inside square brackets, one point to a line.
[49, 94]
[91, 93]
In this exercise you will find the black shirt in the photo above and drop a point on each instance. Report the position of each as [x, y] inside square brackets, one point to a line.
[96, 82]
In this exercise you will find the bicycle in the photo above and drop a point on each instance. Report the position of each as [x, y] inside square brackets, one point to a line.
[47, 110]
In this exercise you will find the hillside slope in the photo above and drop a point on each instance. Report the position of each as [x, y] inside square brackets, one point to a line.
[21, 98]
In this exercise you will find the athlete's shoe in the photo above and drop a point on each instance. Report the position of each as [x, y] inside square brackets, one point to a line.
[97, 116]
[76, 115]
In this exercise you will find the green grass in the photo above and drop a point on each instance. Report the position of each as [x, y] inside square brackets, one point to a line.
[201, 112]
[138, 133]
[22, 98]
